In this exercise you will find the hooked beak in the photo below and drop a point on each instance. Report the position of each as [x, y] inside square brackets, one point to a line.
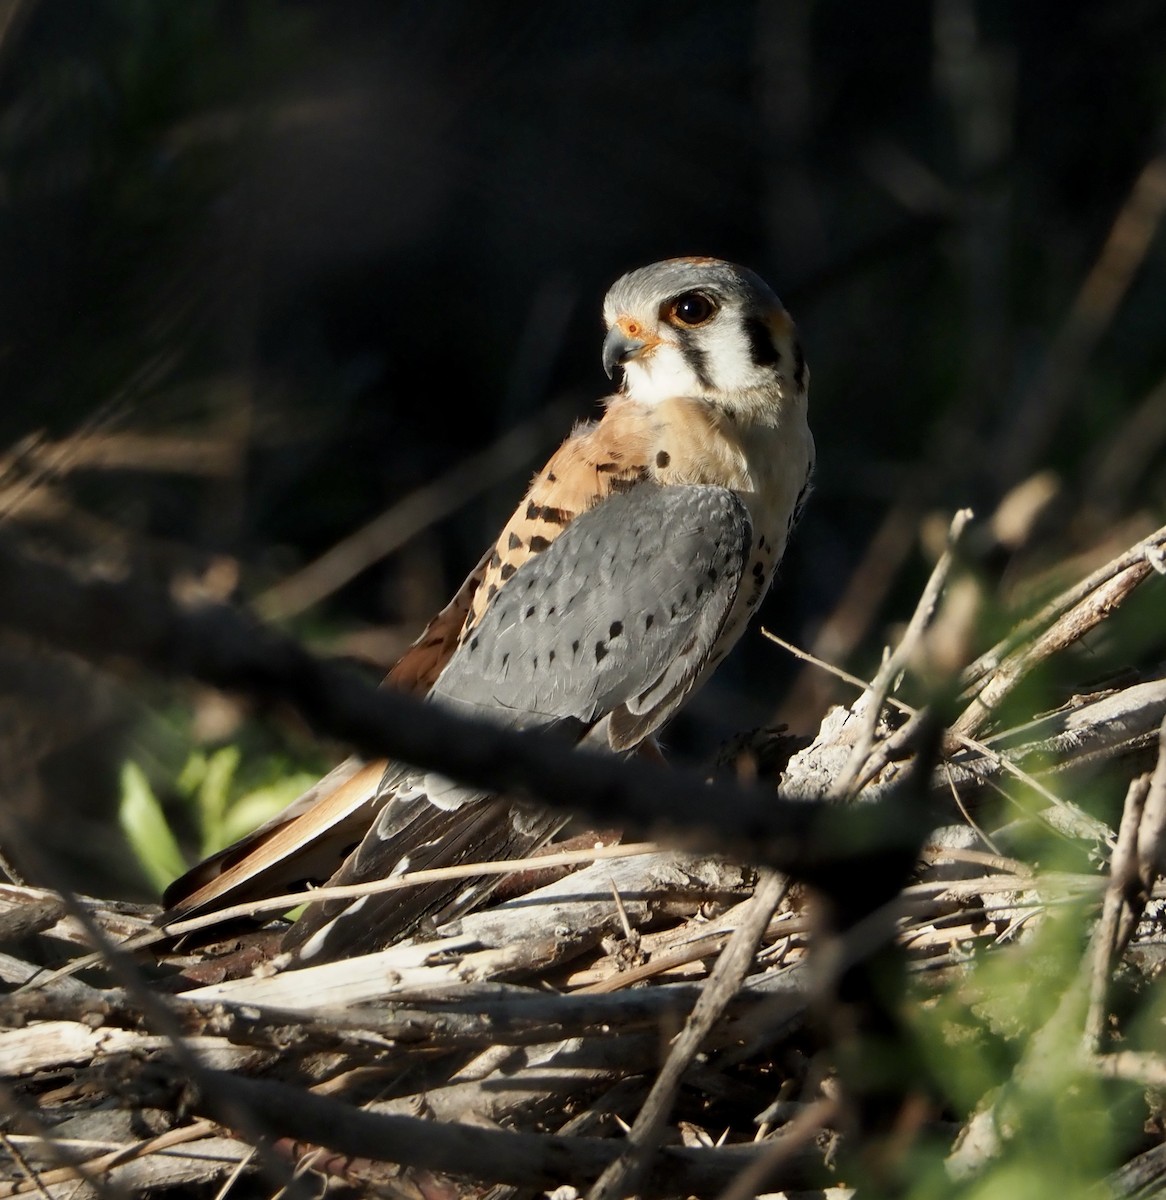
[620, 347]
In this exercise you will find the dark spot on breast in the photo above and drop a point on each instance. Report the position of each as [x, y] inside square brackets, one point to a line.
[551, 611]
[529, 613]
[712, 574]
[505, 659]
[508, 570]
[544, 512]
[514, 541]
[616, 629]
[761, 541]
[551, 657]
[534, 661]
[624, 485]
[759, 571]
[575, 647]
[699, 590]
[473, 644]
[600, 651]
[649, 621]
[663, 458]
[552, 477]
[538, 543]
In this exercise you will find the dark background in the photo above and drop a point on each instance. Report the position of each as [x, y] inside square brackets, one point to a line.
[314, 256]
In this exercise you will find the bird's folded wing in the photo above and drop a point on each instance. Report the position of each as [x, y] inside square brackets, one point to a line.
[626, 604]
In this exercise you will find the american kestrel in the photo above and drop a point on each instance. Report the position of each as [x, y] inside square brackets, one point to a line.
[626, 574]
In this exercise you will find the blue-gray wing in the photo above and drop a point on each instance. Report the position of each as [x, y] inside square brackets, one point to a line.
[620, 614]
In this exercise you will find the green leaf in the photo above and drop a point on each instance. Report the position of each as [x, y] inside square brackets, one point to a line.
[144, 825]
[251, 810]
[212, 797]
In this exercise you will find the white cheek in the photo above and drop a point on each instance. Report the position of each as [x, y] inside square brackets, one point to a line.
[661, 375]
[729, 359]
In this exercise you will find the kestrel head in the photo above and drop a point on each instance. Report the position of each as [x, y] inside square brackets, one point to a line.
[702, 328]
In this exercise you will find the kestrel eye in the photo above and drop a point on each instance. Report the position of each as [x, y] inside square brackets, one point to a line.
[692, 309]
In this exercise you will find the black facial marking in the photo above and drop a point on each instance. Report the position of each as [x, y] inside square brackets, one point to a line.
[761, 348]
[799, 364]
[697, 361]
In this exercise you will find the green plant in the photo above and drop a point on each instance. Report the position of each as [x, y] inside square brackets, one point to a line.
[223, 807]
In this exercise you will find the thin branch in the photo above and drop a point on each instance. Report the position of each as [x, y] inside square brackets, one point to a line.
[1067, 629]
[1138, 555]
[894, 664]
[1123, 870]
[1091, 314]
